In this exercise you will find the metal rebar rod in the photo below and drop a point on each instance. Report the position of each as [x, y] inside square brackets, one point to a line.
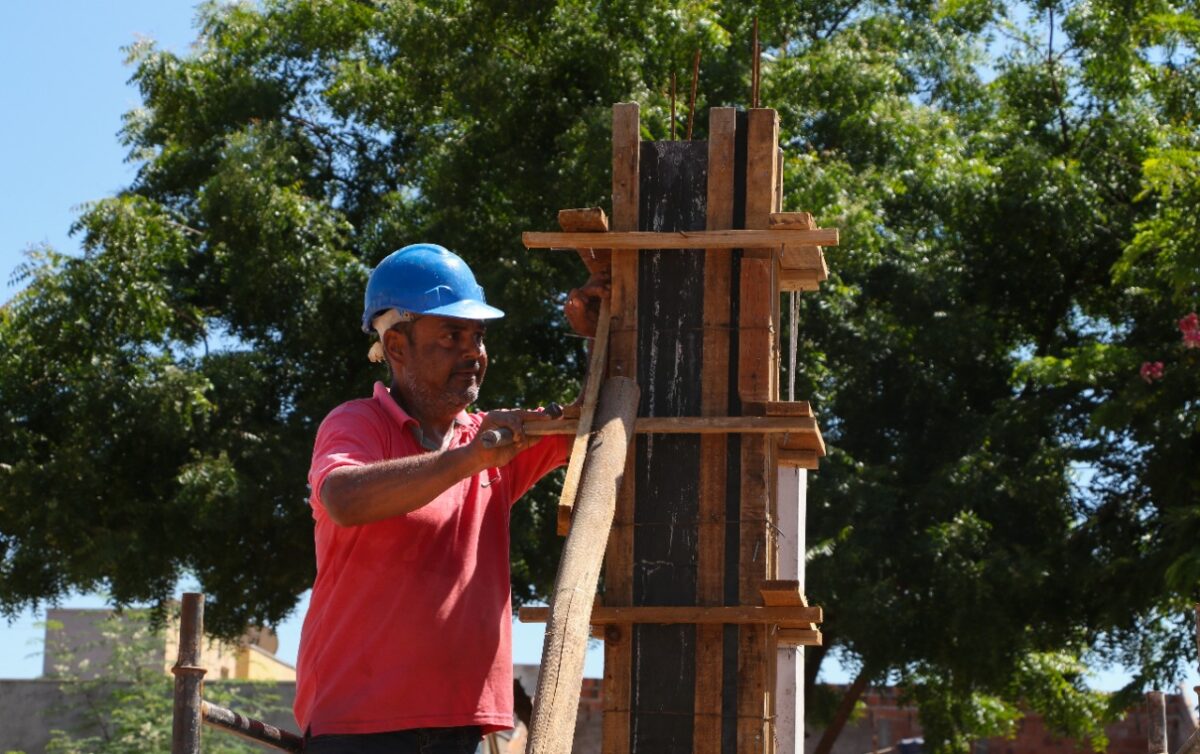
[692, 99]
[247, 727]
[189, 677]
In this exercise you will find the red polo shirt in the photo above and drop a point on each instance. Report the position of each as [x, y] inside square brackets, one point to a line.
[410, 624]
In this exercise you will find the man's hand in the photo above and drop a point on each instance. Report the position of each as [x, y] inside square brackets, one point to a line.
[510, 421]
[583, 304]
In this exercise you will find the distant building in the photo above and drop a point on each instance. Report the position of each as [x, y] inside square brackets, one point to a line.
[75, 637]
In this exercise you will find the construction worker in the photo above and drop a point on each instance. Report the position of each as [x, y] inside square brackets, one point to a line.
[406, 646]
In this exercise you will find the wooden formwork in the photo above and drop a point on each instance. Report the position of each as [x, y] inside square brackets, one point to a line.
[692, 609]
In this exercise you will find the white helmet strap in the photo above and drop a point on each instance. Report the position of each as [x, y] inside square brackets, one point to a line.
[382, 323]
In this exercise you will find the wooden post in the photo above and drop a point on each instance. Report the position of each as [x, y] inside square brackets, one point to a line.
[622, 362]
[551, 731]
[189, 677]
[758, 310]
[714, 401]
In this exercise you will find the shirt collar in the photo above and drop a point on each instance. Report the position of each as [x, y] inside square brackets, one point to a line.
[393, 408]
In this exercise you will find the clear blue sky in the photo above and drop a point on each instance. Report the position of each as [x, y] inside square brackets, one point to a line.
[63, 83]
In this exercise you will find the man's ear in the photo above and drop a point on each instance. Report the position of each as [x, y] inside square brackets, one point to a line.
[396, 346]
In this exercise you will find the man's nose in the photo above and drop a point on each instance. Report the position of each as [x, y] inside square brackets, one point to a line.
[474, 349]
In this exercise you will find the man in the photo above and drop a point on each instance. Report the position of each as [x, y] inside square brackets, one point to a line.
[406, 646]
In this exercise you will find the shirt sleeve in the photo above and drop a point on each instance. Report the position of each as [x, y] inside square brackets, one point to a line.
[350, 436]
[531, 465]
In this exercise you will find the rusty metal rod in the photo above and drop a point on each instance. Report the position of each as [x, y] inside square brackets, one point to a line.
[189, 677]
[672, 106]
[692, 101]
[249, 728]
[754, 60]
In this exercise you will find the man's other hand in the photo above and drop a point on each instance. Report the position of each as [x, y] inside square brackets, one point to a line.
[583, 304]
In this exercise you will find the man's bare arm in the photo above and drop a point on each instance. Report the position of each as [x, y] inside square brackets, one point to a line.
[355, 495]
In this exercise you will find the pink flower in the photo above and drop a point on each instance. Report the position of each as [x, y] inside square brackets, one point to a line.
[1190, 327]
[1189, 324]
[1151, 371]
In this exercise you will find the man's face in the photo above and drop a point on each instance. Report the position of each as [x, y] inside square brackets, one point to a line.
[442, 363]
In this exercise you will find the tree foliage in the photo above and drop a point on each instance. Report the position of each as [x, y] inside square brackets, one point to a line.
[1015, 184]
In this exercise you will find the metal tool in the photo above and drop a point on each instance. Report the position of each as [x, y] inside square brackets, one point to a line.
[495, 438]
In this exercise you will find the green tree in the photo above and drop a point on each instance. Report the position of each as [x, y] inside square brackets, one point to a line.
[1014, 183]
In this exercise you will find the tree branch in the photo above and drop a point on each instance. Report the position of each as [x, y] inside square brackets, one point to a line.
[845, 707]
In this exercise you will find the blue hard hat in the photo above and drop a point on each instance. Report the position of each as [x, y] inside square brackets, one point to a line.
[425, 278]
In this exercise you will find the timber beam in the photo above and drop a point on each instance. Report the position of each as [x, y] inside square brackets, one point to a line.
[799, 616]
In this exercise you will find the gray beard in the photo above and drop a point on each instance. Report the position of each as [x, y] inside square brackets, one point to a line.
[439, 402]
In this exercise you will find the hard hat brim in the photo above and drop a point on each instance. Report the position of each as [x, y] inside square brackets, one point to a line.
[465, 310]
[458, 310]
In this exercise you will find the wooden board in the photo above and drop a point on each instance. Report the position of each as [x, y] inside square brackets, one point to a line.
[618, 570]
[804, 441]
[783, 615]
[777, 408]
[691, 425]
[583, 432]
[695, 239]
[799, 459]
[757, 381]
[804, 281]
[804, 258]
[597, 260]
[714, 379]
[589, 219]
[798, 637]
[782, 593]
[791, 220]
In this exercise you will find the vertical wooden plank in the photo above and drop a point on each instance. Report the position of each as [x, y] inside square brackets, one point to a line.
[714, 402]
[618, 571]
[757, 381]
[762, 165]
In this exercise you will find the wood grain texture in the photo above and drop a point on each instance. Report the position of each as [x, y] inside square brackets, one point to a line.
[804, 258]
[618, 570]
[777, 408]
[799, 459]
[784, 615]
[807, 440]
[795, 220]
[589, 219]
[552, 728]
[692, 425]
[596, 365]
[692, 239]
[803, 281]
[758, 380]
[714, 377]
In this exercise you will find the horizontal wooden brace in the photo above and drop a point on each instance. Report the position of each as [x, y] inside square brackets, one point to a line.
[777, 408]
[805, 281]
[799, 459]
[804, 258]
[692, 239]
[776, 592]
[798, 637]
[787, 616]
[692, 425]
[797, 220]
